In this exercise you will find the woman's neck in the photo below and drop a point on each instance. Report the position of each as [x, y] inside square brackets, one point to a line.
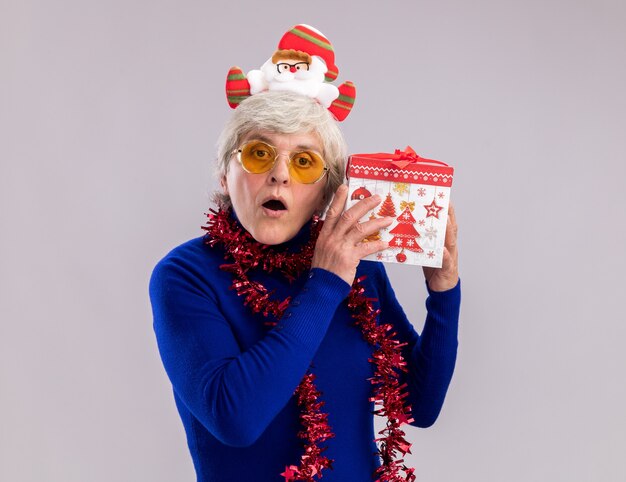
[300, 238]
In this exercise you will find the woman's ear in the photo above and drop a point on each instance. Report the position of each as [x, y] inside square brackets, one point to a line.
[224, 184]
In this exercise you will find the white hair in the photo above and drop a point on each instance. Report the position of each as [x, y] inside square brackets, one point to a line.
[284, 113]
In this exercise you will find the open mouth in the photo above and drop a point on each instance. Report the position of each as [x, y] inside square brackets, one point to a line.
[274, 205]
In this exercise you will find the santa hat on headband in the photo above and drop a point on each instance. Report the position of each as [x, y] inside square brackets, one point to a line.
[310, 40]
[305, 64]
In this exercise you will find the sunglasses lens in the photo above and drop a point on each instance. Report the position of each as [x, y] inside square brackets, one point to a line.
[257, 157]
[306, 167]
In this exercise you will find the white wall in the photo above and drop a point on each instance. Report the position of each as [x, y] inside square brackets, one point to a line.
[109, 111]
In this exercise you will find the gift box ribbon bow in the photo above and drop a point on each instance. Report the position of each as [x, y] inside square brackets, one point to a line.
[403, 158]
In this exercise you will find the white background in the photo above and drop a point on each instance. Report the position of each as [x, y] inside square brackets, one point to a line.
[109, 111]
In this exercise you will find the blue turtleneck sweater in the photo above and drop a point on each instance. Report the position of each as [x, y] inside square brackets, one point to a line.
[233, 376]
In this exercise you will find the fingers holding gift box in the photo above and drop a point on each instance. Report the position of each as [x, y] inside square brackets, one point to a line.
[446, 277]
[339, 247]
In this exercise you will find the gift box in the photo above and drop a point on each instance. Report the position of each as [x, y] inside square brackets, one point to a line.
[416, 192]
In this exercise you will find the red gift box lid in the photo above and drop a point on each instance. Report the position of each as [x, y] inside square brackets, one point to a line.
[401, 166]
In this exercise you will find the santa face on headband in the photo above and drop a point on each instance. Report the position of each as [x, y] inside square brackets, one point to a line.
[295, 71]
[287, 65]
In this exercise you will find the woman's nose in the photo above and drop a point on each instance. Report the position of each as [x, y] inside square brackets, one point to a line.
[292, 68]
[280, 171]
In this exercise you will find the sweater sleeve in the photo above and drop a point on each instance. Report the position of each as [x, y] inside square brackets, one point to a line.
[431, 356]
[236, 394]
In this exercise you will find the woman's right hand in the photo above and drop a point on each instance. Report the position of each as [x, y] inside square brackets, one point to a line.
[339, 246]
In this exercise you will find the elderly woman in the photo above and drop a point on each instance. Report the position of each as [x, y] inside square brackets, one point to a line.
[258, 327]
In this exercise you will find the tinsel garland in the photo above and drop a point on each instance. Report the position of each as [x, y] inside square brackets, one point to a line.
[246, 254]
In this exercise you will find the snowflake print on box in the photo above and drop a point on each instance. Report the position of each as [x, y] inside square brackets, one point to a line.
[416, 192]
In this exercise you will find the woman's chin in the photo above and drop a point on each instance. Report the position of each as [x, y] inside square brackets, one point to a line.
[272, 236]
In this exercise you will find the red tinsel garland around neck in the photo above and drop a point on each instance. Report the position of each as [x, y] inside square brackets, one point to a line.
[244, 254]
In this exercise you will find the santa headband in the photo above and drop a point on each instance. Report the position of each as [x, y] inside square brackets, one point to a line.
[305, 64]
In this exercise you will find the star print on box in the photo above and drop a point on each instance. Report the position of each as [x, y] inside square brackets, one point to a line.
[415, 192]
[432, 209]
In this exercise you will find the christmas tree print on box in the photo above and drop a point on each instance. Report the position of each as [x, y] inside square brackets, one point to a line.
[416, 192]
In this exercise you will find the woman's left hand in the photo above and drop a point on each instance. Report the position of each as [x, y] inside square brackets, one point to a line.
[446, 277]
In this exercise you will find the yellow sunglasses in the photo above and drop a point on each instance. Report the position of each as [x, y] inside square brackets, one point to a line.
[257, 157]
